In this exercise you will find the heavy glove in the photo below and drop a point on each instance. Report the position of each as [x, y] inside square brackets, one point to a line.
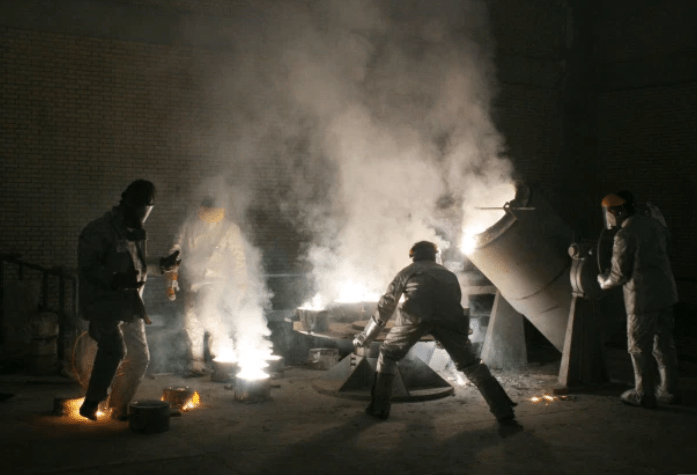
[371, 330]
[126, 280]
[170, 262]
[171, 284]
[603, 280]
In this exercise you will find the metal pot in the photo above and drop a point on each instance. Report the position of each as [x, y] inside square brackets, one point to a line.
[224, 371]
[252, 391]
[276, 364]
[177, 397]
[323, 358]
[313, 320]
[148, 416]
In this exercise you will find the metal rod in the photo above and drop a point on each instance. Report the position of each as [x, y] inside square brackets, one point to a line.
[516, 208]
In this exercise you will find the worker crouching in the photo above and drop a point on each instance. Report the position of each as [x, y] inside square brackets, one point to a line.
[432, 306]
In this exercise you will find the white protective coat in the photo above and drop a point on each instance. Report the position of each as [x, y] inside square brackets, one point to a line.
[214, 280]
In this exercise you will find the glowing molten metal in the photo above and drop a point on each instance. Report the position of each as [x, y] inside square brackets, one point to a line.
[484, 212]
[194, 402]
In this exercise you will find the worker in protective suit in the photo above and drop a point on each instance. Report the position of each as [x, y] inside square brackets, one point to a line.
[640, 264]
[431, 305]
[112, 269]
[652, 211]
[213, 278]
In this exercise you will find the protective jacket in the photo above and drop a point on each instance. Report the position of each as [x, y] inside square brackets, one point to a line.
[213, 253]
[640, 263]
[431, 293]
[107, 247]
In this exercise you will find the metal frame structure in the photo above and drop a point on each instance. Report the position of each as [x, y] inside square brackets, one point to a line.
[64, 277]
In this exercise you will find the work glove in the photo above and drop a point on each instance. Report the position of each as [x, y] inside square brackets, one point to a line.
[170, 262]
[126, 280]
[359, 340]
[369, 333]
[172, 284]
[602, 280]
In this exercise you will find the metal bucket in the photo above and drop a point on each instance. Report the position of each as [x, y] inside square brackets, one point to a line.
[148, 416]
[313, 320]
[177, 397]
[224, 371]
[252, 391]
[276, 364]
[323, 358]
[525, 255]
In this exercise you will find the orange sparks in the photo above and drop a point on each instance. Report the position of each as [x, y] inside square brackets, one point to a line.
[193, 402]
[73, 410]
[545, 397]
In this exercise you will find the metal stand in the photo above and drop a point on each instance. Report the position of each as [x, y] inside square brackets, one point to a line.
[352, 378]
[504, 345]
[583, 361]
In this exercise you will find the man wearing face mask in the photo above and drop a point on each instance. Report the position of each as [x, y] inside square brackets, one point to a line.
[640, 264]
[112, 269]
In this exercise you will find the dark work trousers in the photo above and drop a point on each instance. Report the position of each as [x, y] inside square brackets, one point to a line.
[119, 344]
[454, 338]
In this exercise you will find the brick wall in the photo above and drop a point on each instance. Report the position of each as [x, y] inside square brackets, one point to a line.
[85, 112]
[530, 40]
[82, 118]
[89, 106]
[647, 98]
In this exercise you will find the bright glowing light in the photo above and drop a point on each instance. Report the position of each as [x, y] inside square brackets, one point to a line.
[227, 355]
[252, 362]
[252, 374]
[193, 402]
[350, 292]
[73, 410]
[546, 398]
[476, 221]
[316, 303]
[469, 242]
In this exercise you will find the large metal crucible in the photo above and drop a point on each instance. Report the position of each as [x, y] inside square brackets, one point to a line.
[352, 377]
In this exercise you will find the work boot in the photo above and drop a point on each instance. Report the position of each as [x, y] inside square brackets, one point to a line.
[119, 413]
[496, 398]
[381, 396]
[633, 398]
[667, 392]
[509, 426]
[89, 409]
[667, 398]
[644, 392]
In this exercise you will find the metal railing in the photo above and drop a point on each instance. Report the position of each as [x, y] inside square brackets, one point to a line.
[57, 304]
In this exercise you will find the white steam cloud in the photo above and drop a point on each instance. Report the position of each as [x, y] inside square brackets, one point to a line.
[366, 123]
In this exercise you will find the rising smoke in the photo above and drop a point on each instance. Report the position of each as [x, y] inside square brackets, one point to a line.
[366, 123]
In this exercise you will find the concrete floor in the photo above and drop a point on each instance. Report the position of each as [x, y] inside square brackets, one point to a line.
[302, 431]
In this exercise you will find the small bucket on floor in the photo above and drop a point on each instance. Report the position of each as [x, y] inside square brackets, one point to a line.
[148, 416]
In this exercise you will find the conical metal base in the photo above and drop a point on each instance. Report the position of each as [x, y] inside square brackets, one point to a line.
[352, 378]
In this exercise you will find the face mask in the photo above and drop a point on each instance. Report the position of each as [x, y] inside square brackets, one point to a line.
[614, 220]
[141, 213]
